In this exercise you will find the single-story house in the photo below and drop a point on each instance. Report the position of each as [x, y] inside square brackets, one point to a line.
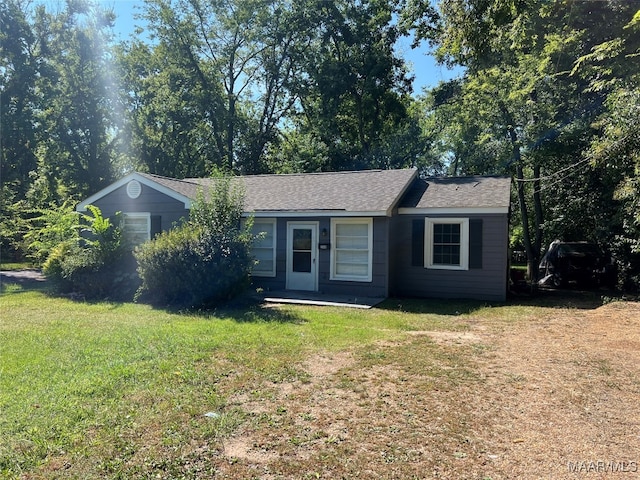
[373, 233]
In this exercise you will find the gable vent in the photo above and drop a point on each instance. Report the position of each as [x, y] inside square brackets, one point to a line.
[134, 189]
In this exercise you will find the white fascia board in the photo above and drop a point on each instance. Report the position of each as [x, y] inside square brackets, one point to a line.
[312, 213]
[454, 211]
[82, 206]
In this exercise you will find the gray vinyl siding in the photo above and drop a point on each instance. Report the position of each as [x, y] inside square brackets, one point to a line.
[486, 283]
[379, 285]
[170, 210]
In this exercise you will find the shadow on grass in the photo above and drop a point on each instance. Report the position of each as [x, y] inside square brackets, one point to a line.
[250, 307]
[10, 283]
[245, 308]
[435, 306]
[583, 300]
[564, 298]
[260, 312]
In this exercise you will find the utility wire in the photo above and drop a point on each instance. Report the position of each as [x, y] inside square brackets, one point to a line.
[576, 165]
[557, 181]
[554, 174]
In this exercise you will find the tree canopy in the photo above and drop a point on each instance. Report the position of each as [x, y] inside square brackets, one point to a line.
[541, 82]
[549, 96]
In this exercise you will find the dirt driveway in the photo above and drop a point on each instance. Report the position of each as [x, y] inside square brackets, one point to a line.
[563, 396]
[556, 396]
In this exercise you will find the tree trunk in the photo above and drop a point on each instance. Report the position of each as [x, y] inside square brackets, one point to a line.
[532, 255]
[539, 215]
[231, 129]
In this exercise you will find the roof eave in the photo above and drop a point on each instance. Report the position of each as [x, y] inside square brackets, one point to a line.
[313, 213]
[404, 190]
[487, 210]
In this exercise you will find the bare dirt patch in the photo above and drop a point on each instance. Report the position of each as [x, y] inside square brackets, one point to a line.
[565, 392]
[555, 396]
[456, 338]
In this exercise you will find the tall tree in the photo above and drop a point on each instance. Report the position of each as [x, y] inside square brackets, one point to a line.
[521, 101]
[76, 90]
[220, 71]
[611, 66]
[19, 60]
[356, 89]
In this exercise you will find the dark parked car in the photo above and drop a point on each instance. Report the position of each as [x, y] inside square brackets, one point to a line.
[580, 262]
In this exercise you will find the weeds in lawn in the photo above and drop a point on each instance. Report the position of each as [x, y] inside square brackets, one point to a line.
[118, 390]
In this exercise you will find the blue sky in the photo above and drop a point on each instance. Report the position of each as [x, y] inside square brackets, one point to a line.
[423, 66]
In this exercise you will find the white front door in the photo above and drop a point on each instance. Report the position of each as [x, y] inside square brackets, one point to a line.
[302, 253]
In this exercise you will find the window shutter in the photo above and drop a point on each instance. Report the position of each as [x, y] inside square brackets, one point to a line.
[417, 243]
[156, 225]
[475, 243]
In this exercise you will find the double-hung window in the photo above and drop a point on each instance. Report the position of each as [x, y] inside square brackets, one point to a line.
[352, 249]
[447, 243]
[264, 247]
[136, 227]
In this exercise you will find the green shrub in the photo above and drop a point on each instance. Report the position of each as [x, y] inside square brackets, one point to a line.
[97, 266]
[14, 224]
[54, 270]
[203, 262]
[49, 228]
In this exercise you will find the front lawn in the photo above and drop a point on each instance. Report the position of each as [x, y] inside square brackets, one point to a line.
[95, 385]
[109, 390]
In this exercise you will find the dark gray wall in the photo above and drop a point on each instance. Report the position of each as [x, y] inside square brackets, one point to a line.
[150, 200]
[378, 287]
[486, 283]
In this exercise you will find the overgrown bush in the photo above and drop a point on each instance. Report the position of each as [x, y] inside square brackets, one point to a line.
[49, 228]
[13, 225]
[205, 261]
[97, 265]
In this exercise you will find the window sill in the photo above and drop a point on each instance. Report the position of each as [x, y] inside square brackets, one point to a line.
[447, 267]
[351, 279]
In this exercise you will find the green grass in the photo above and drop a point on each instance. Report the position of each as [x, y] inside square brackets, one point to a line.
[118, 390]
[15, 266]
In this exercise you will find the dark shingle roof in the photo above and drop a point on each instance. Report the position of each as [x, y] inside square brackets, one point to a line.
[370, 191]
[364, 191]
[188, 187]
[356, 191]
[459, 192]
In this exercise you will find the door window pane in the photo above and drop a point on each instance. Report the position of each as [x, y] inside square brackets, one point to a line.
[302, 239]
[302, 262]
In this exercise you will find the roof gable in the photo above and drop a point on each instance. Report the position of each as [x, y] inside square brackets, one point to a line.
[457, 195]
[151, 181]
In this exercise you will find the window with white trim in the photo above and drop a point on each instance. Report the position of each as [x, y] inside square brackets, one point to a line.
[136, 227]
[352, 249]
[263, 248]
[447, 243]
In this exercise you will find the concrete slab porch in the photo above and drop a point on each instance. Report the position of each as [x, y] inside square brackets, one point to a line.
[320, 299]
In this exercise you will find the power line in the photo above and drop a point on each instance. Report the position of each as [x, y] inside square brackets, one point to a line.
[569, 167]
[557, 181]
[554, 174]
